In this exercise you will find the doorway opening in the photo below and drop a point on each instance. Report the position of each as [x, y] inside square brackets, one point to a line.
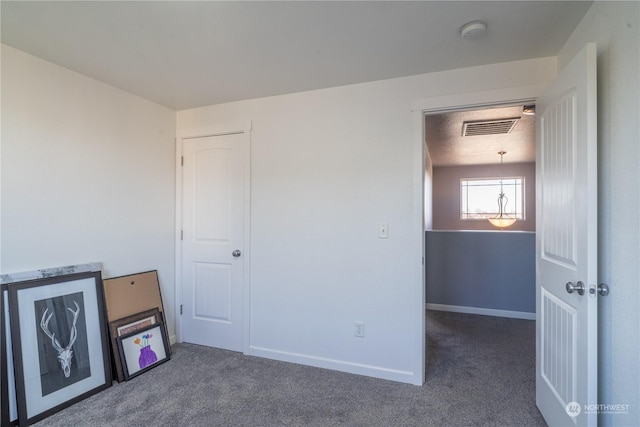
[524, 95]
[479, 279]
[471, 265]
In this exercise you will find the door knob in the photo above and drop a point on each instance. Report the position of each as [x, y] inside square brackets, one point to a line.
[236, 253]
[578, 287]
[603, 289]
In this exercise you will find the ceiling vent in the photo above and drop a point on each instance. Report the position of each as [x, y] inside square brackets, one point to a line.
[489, 127]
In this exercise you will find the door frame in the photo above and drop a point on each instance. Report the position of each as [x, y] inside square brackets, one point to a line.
[442, 104]
[218, 130]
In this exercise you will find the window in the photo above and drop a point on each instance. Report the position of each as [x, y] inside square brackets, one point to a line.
[479, 197]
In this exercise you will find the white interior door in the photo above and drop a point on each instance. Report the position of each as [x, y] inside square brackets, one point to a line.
[566, 245]
[214, 188]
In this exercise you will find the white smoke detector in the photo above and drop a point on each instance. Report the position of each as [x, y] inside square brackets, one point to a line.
[473, 30]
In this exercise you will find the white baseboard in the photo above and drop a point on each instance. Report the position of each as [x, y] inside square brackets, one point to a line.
[172, 340]
[336, 365]
[482, 311]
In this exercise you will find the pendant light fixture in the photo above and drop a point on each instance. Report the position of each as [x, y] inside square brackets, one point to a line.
[502, 220]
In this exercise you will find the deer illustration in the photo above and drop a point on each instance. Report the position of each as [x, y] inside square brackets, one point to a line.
[64, 354]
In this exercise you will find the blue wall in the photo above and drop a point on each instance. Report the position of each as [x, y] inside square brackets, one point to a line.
[484, 269]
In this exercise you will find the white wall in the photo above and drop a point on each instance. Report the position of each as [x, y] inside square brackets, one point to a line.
[615, 28]
[87, 174]
[326, 167]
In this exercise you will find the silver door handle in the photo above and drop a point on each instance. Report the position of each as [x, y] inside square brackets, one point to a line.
[603, 289]
[236, 253]
[578, 287]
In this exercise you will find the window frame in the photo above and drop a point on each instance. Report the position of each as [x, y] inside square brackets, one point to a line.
[464, 216]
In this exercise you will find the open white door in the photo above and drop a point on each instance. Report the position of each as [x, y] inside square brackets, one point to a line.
[214, 246]
[566, 246]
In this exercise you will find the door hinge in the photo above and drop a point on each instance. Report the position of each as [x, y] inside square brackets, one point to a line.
[181, 309]
[422, 260]
[181, 234]
[181, 160]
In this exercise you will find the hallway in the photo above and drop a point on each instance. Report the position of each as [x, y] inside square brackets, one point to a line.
[481, 368]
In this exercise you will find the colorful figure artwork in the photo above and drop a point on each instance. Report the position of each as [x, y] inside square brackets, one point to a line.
[143, 350]
[147, 356]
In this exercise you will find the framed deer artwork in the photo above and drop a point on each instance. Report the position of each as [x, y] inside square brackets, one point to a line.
[60, 342]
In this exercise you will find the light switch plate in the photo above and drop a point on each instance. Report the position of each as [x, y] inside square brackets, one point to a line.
[383, 230]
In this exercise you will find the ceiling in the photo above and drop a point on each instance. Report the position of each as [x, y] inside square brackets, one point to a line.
[185, 54]
[447, 146]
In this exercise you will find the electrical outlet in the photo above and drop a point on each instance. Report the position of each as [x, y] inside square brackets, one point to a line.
[359, 329]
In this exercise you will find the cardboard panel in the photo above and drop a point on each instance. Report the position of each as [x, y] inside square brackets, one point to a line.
[132, 294]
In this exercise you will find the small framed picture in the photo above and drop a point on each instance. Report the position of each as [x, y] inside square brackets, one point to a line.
[60, 342]
[127, 325]
[143, 349]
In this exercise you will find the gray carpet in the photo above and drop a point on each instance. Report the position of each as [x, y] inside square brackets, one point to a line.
[480, 372]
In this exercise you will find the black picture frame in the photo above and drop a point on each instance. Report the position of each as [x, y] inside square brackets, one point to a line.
[129, 324]
[8, 406]
[4, 387]
[135, 360]
[55, 321]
